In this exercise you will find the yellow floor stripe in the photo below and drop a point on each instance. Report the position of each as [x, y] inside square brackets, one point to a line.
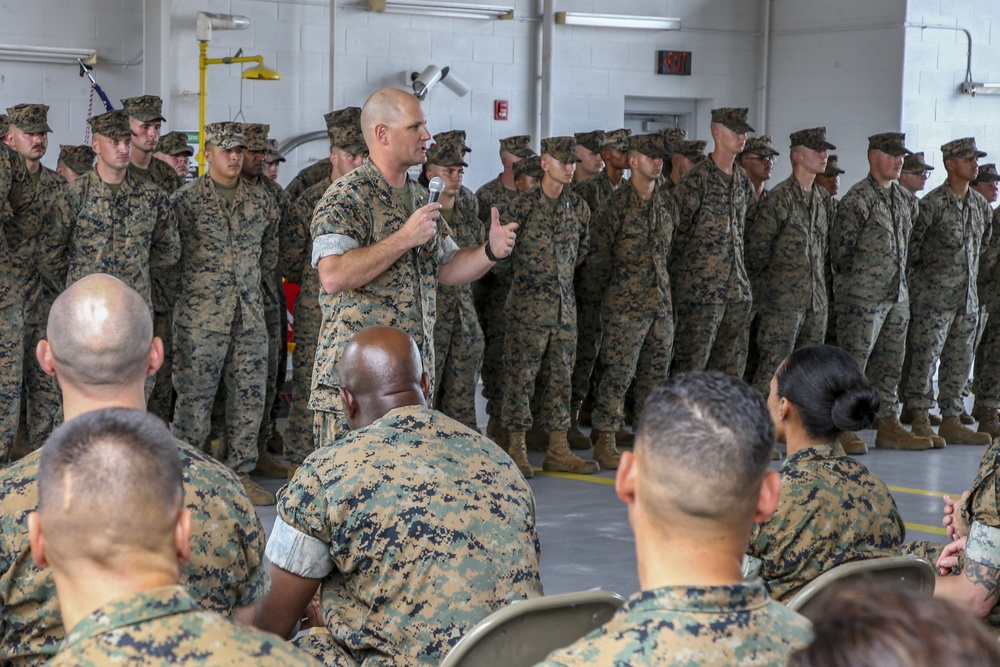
[921, 492]
[937, 530]
[580, 478]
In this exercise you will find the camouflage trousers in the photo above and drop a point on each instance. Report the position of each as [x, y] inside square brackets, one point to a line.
[588, 348]
[272, 290]
[538, 353]
[711, 337]
[944, 338]
[300, 440]
[780, 331]
[202, 360]
[161, 402]
[986, 384]
[458, 356]
[330, 422]
[634, 348]
[42, 397]
[12, 356]
[492, 301]
[875, 334]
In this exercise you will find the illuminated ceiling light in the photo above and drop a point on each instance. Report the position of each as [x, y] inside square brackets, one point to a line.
[460, 10]
[617, 21]
[47, 54]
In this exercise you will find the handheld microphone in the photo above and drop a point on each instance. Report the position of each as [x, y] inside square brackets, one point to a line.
[435, 188]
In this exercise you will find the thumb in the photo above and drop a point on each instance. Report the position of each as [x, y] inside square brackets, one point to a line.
[494, 217]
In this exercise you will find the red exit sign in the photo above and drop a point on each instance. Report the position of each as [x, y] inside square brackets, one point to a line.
[673, 62]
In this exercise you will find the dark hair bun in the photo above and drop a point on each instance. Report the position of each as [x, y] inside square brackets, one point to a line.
[855, 409]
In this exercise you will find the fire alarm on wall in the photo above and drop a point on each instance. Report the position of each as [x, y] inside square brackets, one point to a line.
[501, 109]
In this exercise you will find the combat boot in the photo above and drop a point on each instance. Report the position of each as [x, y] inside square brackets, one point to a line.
[852, 444]
[890, 434]
[988, 422]
[268, 466]
[956, 433]
[519, 453]
[536, 439]
[292, 467]
[577, 440]
[922, 427]
[977, 411]
[605, 451]
[622, 438]
[258, 494]
[493, 429]
[559, 458]
[966, 418]
[276, 443]
[905, 415]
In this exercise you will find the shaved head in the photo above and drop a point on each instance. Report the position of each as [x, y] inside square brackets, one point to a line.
[99, 332]
[384, 107]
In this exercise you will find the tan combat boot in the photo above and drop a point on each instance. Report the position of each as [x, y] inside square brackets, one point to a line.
[493, 428]
[268, 466]
[956, 433]
[905, 415]
[536, 439]
[605, 451]
[852, 444]
[622, 438]
[922, 427]
[258, 494]
[292, 467]
[519, 453]
[989, 423]
[576, 438]
[977, 411]
[890, 434]
[558, 457]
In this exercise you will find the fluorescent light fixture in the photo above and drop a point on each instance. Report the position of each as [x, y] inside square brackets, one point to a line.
[972, 88]
[617, 21]
[459, 10]
[47, 54]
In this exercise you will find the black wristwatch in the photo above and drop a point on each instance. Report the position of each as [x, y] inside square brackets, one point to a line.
[489, 253]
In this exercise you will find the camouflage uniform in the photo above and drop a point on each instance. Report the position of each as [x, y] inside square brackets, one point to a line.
[541, 306]
[636, 313]
[986, 383]
[358, 210]
[786, 259]
[318, 172]
[944, 250]
[710, 284]
[692, 625]
[868, 242]
[832, 510]
[166, 626]
[219, 328]
[414, 472]
[226, 569]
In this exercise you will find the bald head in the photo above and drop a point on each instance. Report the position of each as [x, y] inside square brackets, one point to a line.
[380, 370]
[384, 107]
[99, 333]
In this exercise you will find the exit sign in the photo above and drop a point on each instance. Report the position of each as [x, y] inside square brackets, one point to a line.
[673, 62]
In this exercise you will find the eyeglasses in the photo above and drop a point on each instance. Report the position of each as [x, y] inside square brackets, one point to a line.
[769, 159]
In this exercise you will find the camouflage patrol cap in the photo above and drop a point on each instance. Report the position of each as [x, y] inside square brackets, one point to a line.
[650, 145]
[619, 139]
[4, 123]
[225, 135]
[692, 149]
[519, 145]
[446, 154]
[29, 118]
[78, 158]
[914, 164]
[761, 146]
[813, 139]
[453, 136]
[987, 174]
[343, 127]
[343, 117]
[255, 136]
[890, 143]
[832, 168]
[674, 135]
[735, 118]
[175, 143]
[272, 152]
[144, 108]
[590, 140]
[531, 166]
[963, 149]
[111, 124]
[561, 148]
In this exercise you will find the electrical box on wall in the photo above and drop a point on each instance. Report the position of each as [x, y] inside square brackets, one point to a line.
[501, 109]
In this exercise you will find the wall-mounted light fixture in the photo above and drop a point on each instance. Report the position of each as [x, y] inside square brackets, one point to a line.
[432, 75]
[47, 54]
[973, 88]
[617, 21]
[459, 10]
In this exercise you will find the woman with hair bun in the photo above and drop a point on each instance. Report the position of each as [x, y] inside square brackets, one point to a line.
[832, 509]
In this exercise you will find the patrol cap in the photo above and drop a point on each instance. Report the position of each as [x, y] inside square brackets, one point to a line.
[255, 136]
[618, 139]
[532, 166]
[453, 136]
[813, 139]
[735, 118]
[962, 148]
[4, 123]
[446, 154]
[590, 140]
[832, 168]
[650, 145]
[890, 143]
[674, 135]
[561, 148]
[914, 164]
[79, 158]
[519, 145]
[174, 143]
[272, 152]
[111, 124]
[762, 146]
[987, 174]
[348, 138]
[225, 135]
[144, 108]
[692, 149]
[29, 118]
[343, 117]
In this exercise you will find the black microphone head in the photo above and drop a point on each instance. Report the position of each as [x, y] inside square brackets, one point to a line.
[436, 187]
